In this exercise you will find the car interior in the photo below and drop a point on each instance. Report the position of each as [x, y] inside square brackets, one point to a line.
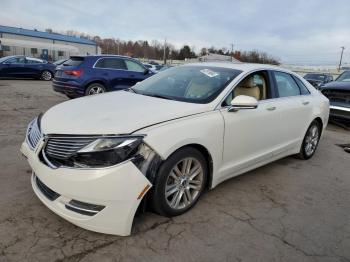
[254, 85]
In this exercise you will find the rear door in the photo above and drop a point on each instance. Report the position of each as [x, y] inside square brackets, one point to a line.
[114, 71]
[33, 67]
[294, 104]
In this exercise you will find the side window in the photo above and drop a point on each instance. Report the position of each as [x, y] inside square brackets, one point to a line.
[133, 66]
[30, 61]
[112, 63]
[303, 88]
[16, 60]
[286, 85]
[255, 85]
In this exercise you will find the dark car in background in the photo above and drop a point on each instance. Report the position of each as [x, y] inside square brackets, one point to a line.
[88, 75]
[338, 93]
[317, 80]
[26, 67]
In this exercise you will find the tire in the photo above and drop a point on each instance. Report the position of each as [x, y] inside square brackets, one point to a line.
[310, 141]
[95, 88]
[46, 75]
[70, 96]
[183, 189]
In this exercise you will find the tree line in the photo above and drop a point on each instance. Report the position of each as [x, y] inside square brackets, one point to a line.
[155, 49]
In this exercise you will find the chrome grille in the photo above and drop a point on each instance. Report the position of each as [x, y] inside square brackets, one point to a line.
[33, 134]
[64, 146]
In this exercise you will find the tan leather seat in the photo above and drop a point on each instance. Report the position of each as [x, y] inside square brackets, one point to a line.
[248, 88]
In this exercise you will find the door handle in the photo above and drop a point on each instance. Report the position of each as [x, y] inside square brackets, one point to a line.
[306, 103]
[271, 108]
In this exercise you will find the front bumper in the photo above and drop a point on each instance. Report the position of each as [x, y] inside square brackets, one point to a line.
[340, 112]
[117, 188]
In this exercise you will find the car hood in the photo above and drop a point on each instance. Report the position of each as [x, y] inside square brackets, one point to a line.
[337, 85]
[118, 112]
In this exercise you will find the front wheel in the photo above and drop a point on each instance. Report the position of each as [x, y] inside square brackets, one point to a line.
[95, 89]
[46, 75]
[310, 142]
[180, 182]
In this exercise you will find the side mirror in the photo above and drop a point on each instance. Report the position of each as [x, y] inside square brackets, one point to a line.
[243, 102]
[146, 71]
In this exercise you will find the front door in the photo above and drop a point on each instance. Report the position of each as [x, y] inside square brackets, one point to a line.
[251, 135]
[14, 67]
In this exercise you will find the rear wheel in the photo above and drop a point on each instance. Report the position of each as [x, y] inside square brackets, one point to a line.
[94, 89]
[310, 142]
[180, 182]
[46, 75]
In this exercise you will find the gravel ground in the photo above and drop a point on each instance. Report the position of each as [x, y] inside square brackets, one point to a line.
[290, 210]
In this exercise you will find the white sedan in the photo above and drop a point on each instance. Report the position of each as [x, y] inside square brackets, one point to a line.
[164, 141]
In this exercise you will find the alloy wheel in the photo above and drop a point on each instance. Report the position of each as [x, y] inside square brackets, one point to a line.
[96, 90]
[184, 183]
[311, 140]
[46, 75]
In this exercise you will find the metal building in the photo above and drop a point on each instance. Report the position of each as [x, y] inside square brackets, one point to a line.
[44, 45]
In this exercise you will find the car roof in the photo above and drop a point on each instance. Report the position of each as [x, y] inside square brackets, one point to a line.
[34, 59]
[102, 56]
[245, 67]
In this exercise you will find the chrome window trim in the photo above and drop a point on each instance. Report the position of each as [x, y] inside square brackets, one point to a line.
[219, 105]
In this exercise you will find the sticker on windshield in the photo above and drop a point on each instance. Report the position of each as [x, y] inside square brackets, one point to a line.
[209, 72]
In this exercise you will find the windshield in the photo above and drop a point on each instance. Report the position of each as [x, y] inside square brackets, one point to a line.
[195, 84]
[344, 77]
[3, 59]
[315, 77]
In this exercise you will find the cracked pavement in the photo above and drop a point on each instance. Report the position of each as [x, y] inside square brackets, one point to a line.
[290, 210]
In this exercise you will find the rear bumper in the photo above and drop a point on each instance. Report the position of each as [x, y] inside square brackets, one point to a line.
[110, 195]
[68, 88]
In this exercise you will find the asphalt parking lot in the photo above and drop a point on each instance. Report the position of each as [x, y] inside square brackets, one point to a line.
[290, 210]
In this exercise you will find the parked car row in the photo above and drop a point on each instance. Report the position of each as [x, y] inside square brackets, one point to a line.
[88, 75]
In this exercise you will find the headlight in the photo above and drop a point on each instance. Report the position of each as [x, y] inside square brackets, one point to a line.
[107, 151]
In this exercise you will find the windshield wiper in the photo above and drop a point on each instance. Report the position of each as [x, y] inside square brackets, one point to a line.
[132, 90]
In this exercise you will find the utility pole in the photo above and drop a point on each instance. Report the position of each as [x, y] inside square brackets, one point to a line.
[164, 53]
[341, 57]
[232, 51]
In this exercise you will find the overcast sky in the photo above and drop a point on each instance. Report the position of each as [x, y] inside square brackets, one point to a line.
[295, 31]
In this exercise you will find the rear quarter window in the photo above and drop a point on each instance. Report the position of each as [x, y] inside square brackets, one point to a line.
[303, 88]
